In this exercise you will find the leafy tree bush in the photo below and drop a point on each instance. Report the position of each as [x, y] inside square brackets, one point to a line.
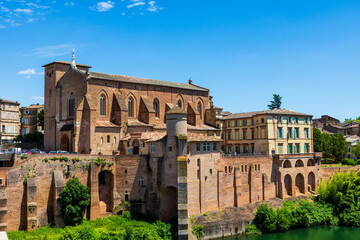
[343, 193]
[74, 199]
[265, 219]
[198, 231]
[276, 102]
[251, 229]
[283, 219]
[356, 150]
[348, 162]
[317, 136]
[339, 146]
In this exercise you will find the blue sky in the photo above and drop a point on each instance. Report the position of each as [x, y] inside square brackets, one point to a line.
[243, 51]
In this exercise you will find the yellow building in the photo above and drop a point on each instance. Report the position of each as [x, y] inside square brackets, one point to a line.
[276, 131]
[29, 119]
[9, 120]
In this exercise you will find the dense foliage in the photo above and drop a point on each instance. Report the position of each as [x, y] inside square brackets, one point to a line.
[339, 204]
[276, 102]
[40, 118]
[111, 228]
[343, 192]
[334, 146]
[350, 120]
[74, 199]
[292, 215]
[356, 150]
[36, 137]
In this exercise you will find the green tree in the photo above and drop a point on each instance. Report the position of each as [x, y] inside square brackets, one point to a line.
[276, 102]
[40, 118]
[265, 219]
[74, 199]
[356, 150]
[326, 145]
[317, 136]
[339, 146]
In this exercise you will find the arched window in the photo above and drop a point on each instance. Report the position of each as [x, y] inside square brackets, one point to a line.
[102, 105]
[71, 105]
[199, 108]
[156, 107]
[131, 107]
[179, 103]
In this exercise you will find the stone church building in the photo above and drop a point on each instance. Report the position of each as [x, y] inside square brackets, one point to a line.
[97, 113]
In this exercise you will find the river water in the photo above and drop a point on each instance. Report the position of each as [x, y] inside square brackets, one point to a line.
[318, 233]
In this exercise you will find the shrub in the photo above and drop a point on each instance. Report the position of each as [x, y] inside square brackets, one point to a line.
[85, 234]
[74, 199]
[251, 229]
[198, 231]
[163, 230]
[126, 215]
[283, 219]
[265, 219]
[348, 162]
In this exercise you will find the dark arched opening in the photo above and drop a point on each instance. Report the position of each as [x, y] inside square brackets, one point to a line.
[106, 190]
[311, 162]
[287, 164]
[288, 185]
[311, 181]
[169, 204]
[299, 163]
[136, 147]
[299, 183]
[65, 143]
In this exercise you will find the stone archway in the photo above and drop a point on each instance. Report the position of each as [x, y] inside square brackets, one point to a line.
[299, 163]
[287, 164]
[136, 147]
[65, 143]
[169, 203]
[106, 191]
[299, 183]
[288, 185]
[310, 163]
[311, 181]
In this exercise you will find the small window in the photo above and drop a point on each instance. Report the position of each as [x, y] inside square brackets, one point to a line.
[114, 140]
[152, 147]
[262, 120]
[214, 147]
[170, 165]
[210, 171]
[102, 105]
[126, 197]
[125, 171]
[1, 181]
[141, 182]
[108, 138]
[170, 148]
[206, 147]
[225, 169]
[198, 147]
[126, 182]
[198, 162]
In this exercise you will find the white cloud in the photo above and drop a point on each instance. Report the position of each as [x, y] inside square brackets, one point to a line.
[69, 4]
[24, 10]
[52, 51]
[153, 7]
[135, 4]
[38, 98]
[36, 6]
[103, 6]
[4, 9]
[29, 71]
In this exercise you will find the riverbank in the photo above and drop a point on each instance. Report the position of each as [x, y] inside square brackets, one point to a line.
[232, 221]
[318, 233]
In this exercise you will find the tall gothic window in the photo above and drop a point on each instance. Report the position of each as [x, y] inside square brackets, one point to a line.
[179, 103]
[102, 105]
[199, 109]
[131, 107]
[156, 107]
[71, 105]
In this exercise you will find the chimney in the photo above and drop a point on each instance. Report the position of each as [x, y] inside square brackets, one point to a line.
[190, 81]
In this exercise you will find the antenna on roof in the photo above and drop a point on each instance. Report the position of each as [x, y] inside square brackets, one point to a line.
[73, 64]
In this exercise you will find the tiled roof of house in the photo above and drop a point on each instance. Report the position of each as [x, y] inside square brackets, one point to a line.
[279, 111]
[35, 106]
[197, 137]
[152, 136]
[8, 101]
[128, 79]
[106, 124]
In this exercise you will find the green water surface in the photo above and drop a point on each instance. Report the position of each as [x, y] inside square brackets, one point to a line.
[318, 233]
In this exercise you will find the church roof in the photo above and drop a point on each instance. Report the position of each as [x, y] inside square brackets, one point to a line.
[147, 81]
